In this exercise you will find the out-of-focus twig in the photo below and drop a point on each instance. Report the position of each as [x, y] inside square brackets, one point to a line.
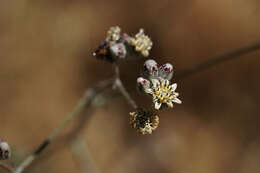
[84, 102]
[218, 60]
[6, 167]
[80, 149]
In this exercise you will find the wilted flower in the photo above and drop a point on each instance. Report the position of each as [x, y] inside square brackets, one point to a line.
[144, 121]
[142, 43]
[5, 151]
[113, 34]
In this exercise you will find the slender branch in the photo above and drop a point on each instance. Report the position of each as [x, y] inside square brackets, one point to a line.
[84, 102]
[218, 60]
[6, 167]
[119, 85]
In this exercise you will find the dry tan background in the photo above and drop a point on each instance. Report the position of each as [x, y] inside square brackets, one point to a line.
[46, 64]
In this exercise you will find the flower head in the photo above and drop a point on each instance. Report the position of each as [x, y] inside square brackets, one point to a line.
[142, 43]
[163, 93]
[113, 34]
[144, 121]
[155, 82]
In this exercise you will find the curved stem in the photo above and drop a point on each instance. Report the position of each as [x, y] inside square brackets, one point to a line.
[218, 60]
[119, 85]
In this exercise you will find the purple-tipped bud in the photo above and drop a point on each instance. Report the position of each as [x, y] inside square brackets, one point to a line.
[5, 151]
[166, 71]
[143, 84]
[118, 50]
[150, 67]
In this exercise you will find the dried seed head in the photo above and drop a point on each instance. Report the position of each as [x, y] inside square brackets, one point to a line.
[144, 121]
[5, 151]
[142, 43]
[118, 50]
[113, 34]
[150, 68]
[166, 71]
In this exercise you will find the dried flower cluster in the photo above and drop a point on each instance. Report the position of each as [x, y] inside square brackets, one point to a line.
[154, 81]
[117, 46]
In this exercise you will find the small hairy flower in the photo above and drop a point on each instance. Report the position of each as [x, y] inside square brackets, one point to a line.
[144, 121]
[113, 34]
[142, 43]
[5, 151]
[163, 93]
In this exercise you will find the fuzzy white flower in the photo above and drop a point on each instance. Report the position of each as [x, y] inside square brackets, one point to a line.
[163, 93]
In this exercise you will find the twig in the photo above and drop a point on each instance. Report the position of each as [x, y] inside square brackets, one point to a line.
[218, 60]
[84, 102]
[80, 149]
[119, 85]
[6, 167]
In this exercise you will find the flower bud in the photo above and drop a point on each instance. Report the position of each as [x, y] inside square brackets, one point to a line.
[143, 84]
[166, 71]
[150, 68]
[118, 50]
[5, 151]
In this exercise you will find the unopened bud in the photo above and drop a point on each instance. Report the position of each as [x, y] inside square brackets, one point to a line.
[150, 67]
[143, 84]
[166, 71]
[118, 50]
[5, 151]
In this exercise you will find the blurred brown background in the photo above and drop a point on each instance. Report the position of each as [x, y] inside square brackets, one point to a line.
[46, 64]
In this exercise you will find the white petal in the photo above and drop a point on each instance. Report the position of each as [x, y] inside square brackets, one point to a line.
[170, 104]
[165, 82]
[155, 82]
[174, 86]
[148, 90]
[157, 105]
[176, 100]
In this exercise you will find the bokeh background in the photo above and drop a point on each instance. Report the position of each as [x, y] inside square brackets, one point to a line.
[46, 65]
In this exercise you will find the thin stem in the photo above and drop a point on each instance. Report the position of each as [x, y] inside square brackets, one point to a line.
[119, 85]
[218, 60]
[6, 167]
[84, 102]
[80, 148]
